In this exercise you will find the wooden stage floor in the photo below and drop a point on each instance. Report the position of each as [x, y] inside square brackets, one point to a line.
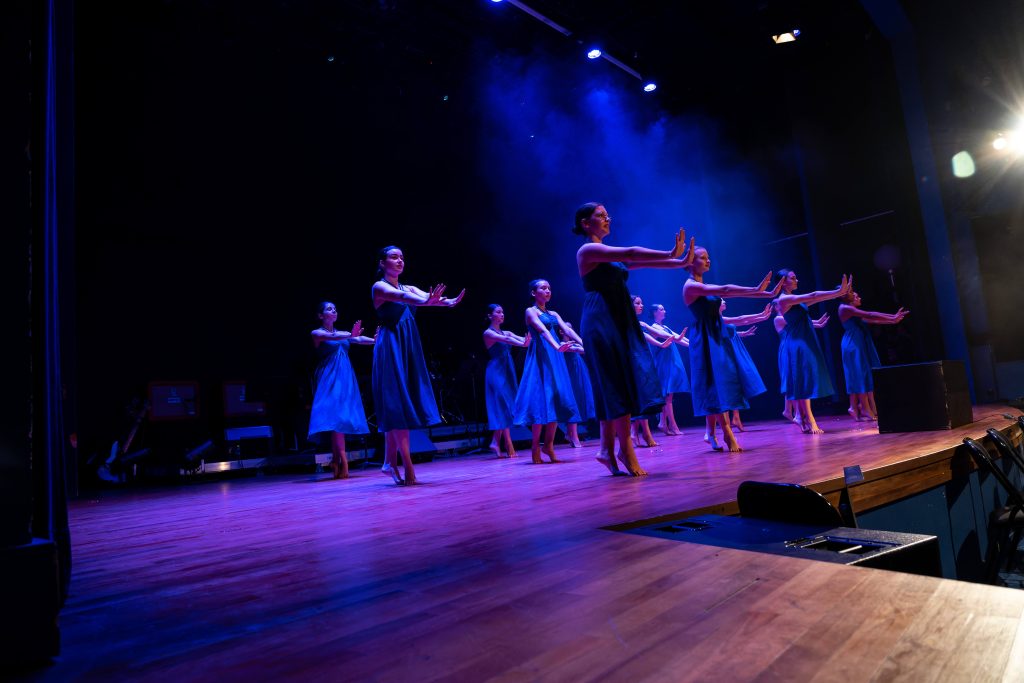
[504, 570]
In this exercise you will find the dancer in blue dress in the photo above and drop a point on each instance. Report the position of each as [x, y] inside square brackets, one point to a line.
[337, 403]
[669, 363]
[641, 425]
[620, 364]
[545, 395]
[806, 373]
[859, 354]
[579, 376]
[749, 376]
[501, 385]
[402, 395]
[716, 382]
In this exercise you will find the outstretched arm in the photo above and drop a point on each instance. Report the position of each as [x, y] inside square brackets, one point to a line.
[503, 338]
[751, 319]
[660, 343]
[385, 291]
[533, 321]
[847, 311]
[786, 301]
[593, 253]
[693, 289]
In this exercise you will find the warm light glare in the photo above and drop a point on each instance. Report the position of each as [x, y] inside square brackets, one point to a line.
[594, 54]
[999, 144]
[963, 165]
[787, 37]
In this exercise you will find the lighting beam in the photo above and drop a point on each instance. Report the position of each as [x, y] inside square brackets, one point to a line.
[566, 32]
[540, 17]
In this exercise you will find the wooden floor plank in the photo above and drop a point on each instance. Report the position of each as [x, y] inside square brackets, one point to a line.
[504, 570]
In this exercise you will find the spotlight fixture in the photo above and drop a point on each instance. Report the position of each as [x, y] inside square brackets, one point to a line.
[651, 87]
[787, 37]
[593, 54]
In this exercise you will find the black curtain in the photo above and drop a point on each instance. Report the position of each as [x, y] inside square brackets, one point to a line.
[37, 265]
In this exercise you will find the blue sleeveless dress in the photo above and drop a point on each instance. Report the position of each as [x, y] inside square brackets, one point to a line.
[859, 356]
[545, 392]
[579, 377]
[621, 366]
[806, 371]
[337, 404]
[716, 380]
[671, 369]
[782, 360]
[402, 395]
[500, 386]
[750, 378]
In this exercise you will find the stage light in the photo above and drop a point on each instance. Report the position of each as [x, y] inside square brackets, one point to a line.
[650, 87]
[963, 165]
[787, 37]
[330, 58]
[495, 0]
[999, 144]
[594, 54]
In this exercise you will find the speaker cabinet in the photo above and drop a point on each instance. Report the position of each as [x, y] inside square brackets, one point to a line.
[922, 396]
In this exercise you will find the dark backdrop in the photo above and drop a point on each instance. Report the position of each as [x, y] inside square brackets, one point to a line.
[239, 162]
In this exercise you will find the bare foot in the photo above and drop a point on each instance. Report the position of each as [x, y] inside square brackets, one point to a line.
[633, 468]
[536, 456]
[550, 452]
[733, 444]
[854, 414]
[712, 441]
[815, 429]
[575, 443]
[737, 425]
[412, 482]
[493, 447]
[389, 471]
[787, 416]
[511, 453]
[649, 442]
[609, 462]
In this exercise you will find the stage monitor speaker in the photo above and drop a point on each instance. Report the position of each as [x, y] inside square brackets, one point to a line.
[922, 396]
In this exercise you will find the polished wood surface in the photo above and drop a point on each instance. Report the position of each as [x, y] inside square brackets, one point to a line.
[504, 570]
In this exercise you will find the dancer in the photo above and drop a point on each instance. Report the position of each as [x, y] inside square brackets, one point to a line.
[717, 379]
[641, 425]
[859, 354]
[621, 368]
[545, 394]
[402, 395]
[579, 376]
[337, 404]
[806, 374]
[751, 378]
[500, 384]
[669, 363]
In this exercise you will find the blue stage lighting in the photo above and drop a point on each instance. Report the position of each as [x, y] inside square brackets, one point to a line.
[650, 87]
[594, 54]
